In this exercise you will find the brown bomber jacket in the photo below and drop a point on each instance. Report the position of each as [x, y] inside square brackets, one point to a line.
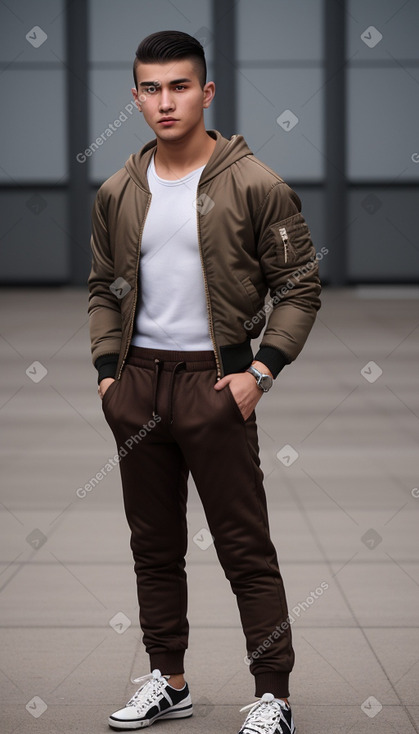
[253, 242]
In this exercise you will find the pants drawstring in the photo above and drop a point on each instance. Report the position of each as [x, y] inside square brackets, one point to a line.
[158, 363]
[172, 382]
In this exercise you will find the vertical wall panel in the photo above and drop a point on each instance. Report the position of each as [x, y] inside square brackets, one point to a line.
[382, 143]
[34, 246]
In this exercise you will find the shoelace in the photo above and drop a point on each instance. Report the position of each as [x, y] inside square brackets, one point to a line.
[264, 715]
[152, 683]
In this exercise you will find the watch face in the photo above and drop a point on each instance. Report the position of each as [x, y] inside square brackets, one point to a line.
[266, 382]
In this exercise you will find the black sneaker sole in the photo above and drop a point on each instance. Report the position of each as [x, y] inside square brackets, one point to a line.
[119, 725]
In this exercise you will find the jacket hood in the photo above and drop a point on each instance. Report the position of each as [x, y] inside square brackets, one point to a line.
[224, 154]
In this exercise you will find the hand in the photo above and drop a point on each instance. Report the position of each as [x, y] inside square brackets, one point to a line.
[103, 385]
[244, 389]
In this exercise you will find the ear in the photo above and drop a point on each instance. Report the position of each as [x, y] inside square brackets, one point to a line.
[136, 99]
[209, 93]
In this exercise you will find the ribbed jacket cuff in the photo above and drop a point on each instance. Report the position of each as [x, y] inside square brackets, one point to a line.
[273, 358]
[106, 366]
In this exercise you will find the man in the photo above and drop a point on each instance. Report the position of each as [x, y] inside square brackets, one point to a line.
[188, 238]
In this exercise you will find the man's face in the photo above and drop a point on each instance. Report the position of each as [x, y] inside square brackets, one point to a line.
[171, 90]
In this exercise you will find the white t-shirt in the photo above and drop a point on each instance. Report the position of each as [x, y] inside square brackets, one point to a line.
[172, 311]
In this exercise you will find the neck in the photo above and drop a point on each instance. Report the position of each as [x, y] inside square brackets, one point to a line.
[181, 156]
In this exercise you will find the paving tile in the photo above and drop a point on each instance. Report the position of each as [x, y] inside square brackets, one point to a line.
[337, 666]
[413, 712]
[371, 536]
[398, 653]
[384, 594]
[344, 719]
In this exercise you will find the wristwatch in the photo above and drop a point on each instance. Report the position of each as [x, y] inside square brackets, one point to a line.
[263, 381]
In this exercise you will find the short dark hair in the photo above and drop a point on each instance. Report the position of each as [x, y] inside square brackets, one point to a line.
[168, 46]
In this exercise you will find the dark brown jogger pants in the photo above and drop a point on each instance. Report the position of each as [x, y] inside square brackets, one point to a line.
[167, 420]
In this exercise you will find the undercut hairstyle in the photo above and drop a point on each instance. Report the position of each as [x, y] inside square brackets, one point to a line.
[170, 46]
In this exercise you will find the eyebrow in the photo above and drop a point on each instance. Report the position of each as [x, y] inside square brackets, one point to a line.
[174, 81]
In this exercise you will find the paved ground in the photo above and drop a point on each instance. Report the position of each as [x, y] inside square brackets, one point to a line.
[344, 513]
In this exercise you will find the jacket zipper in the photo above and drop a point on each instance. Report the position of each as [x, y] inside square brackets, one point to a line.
[209, 310]
[136, 288]
[285, 242]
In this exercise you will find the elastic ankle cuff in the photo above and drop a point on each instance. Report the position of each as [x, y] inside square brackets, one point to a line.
[169, 662]
[276, 683]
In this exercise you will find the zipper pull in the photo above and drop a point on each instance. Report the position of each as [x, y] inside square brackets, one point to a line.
[285, 241]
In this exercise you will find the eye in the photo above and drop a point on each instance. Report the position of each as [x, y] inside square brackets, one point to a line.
[151, 89]
[180, 86]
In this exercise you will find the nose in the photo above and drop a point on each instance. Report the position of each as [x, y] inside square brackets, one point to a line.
[166, 101]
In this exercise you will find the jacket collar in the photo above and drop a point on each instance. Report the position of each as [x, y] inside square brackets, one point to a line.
[224, 154]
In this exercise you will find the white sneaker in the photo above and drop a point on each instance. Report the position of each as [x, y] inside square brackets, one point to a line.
[155, 699]
[269, 715]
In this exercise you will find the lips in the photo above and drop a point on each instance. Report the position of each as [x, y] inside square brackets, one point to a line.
[168, 119]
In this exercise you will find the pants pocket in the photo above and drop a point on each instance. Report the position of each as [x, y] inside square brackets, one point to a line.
[234, 403]
[109, 393]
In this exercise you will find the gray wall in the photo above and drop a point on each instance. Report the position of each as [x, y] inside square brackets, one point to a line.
[55, 107]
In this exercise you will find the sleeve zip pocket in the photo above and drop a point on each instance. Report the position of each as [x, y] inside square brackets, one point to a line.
[285, 242]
